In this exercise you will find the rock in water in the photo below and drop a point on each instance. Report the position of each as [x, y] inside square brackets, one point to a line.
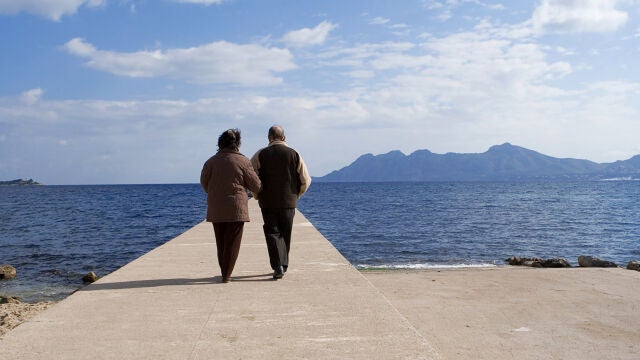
[90, 277]
[590, 261]
[634, 265]
[9, 300]
[7, 272]
[524, 261]
[537, 262]
[555, 263]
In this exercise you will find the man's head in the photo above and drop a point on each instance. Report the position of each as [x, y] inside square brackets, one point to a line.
[229, 140]
[276, 133]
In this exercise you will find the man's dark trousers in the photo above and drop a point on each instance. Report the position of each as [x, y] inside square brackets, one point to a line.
[277, 227]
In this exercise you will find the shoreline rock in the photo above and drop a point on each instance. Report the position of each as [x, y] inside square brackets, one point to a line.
[7, 272]
[538, 262]
[9, 300]
[590, 261]
[90, 277]
[633, 265]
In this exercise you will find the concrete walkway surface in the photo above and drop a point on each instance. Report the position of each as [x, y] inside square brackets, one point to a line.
[170, 304]
[519, 312]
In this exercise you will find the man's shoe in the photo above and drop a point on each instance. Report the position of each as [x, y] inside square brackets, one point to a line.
[226, 280]
[278, 273]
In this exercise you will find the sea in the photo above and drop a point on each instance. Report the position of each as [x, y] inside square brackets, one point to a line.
[53, 235]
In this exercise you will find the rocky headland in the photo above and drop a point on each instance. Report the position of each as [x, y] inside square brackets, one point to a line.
[20, 182]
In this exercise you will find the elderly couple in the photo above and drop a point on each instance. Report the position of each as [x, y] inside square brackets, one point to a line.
[276, 175]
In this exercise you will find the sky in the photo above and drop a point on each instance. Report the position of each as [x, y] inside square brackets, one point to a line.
[138, 91]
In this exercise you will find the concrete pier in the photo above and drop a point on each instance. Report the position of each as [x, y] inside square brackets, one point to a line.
[170, 304]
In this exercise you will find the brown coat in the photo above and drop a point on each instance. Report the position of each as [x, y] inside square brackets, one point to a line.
[225, 178]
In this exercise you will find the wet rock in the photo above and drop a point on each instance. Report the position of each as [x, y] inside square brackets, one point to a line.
[590, 261]
[7, 272]
[634, 265]
[90, 277]
[522, 261]
[555, 263]
[9, 300]
[538, 262]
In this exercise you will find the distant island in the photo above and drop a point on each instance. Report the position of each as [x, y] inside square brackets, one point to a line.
[19, 182]
[504, 162]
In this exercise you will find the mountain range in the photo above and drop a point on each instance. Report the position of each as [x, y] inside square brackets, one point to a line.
[504, 162]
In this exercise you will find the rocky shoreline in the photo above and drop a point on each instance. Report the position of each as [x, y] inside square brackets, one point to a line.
[583, 261]
[13, 312]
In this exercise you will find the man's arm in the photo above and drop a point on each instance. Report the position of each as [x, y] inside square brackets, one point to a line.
[255, 162]
[305, 178]
[252, 182]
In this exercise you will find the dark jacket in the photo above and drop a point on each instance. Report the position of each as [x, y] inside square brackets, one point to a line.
[225, 178]
[283, 174]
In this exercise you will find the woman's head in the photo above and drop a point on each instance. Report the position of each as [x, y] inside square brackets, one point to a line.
[229, 140]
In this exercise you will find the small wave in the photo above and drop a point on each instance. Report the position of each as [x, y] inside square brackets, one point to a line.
[625, 178]
[421, 266]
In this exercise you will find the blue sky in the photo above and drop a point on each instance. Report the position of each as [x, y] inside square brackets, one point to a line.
[128, 91]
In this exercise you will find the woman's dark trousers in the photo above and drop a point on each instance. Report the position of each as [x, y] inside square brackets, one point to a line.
[228, 238]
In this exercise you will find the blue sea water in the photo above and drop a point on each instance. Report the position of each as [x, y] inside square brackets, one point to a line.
[54, 235]
[431, 224]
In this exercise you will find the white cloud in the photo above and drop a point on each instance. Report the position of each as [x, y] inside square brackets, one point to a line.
[79, 47]
[490, 6]
[308, 37]
[51, 9]
[432, 5]
[56, 9]
[32, 96]
[399, 26]
[217, 62]
[361, 74]
[446, 8]
[578, 16]
[445, 15]
[378, 21]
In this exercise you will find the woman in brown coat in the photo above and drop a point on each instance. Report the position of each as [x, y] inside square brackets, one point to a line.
[225, 178]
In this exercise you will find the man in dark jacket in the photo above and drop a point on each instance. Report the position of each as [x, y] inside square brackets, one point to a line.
[284, 178]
